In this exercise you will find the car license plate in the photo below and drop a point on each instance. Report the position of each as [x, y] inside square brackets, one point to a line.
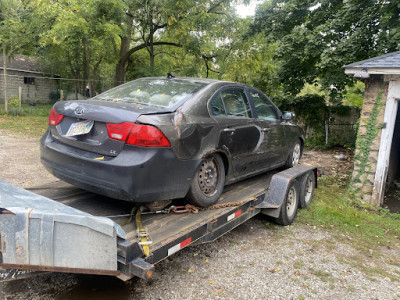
[80, 128]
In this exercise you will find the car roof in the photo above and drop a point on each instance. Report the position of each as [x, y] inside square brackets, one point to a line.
[190, 79]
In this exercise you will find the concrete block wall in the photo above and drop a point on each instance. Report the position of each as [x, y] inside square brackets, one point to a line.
[36, 93]
[365, 183]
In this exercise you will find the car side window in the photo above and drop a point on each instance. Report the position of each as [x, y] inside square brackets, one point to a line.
[264, 107]
[217, 106]
[236, 104]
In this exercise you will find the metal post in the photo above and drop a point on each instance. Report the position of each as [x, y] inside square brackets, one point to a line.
[5, 78]
[326, 132]
[20, 96]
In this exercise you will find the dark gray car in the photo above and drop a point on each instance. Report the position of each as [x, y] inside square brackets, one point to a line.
[155, 139]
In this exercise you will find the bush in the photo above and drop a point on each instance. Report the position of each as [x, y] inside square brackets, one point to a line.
[13, 101]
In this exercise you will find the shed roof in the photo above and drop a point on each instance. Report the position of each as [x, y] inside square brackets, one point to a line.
[21, 63]
[384, 64]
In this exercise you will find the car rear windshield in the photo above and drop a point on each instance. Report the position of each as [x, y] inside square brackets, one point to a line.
[156, 92]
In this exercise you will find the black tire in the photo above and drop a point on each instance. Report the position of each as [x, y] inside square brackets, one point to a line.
[307, 187]
[294, 157]
[208, 182]
[290, 204]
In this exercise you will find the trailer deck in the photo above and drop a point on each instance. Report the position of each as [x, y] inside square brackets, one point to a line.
[168, 233]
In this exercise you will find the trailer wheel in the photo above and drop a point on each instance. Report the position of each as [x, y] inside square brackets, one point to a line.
[294, 156]
[307, 189]
[208, 182]
[289, 205]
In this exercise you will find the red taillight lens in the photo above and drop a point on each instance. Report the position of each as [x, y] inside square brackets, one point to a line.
[138, 135]
[55, 118]
[147, 136]
[119, 131]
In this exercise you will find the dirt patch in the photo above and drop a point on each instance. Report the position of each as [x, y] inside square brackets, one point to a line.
[20, 161]
[330, 162]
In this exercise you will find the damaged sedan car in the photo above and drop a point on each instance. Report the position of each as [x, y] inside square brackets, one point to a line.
[156, 139]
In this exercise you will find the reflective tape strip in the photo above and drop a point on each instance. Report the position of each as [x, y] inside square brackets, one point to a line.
[234, 215]
[179, 246]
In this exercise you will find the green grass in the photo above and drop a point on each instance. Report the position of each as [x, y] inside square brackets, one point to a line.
[364, 226]
[29, 120]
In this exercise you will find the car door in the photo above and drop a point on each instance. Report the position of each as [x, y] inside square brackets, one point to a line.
[239, 134]
[272, 149]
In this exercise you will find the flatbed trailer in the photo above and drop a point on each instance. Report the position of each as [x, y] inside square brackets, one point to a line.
[61, 228]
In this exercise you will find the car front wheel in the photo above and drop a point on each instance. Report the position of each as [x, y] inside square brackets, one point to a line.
[208, 182]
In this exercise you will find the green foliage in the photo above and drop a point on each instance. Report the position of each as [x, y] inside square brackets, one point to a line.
[13, 101]
[354, 95]
[364, 147]
[317, 38]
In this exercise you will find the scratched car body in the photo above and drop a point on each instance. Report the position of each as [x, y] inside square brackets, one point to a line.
[155, 139]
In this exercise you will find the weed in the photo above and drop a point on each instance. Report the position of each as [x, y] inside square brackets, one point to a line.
[323, 276]
[351, 289]
[298, 264]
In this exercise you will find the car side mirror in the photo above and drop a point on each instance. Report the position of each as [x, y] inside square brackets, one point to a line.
[287, 115]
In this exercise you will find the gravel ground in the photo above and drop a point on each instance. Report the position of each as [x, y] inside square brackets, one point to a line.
[257, 260]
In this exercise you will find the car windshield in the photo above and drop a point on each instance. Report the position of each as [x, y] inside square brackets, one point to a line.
[156, 92]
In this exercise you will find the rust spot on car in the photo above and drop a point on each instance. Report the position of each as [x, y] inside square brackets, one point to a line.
[177, 122]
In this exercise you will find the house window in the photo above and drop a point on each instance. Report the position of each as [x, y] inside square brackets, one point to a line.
[29, 80]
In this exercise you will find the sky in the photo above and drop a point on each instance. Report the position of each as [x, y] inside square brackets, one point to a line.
[247, 10]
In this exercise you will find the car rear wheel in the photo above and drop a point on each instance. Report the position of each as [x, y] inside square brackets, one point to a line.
[294, 157]
[208, 182]
[290, 204]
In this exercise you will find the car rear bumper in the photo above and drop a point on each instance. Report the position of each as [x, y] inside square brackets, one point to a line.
[137, 174]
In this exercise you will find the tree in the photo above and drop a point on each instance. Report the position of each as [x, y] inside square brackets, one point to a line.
[16, 36]
[78, 36]
[317, 38]
[180, 24]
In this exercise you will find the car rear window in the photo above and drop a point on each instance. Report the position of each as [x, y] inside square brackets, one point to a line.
[156, 92]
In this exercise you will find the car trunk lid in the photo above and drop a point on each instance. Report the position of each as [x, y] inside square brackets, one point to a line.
[94, 115]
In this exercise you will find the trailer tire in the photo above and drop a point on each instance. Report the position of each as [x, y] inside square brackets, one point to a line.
[290, 204]
[208, 182]
[294, 157]
[307, 188]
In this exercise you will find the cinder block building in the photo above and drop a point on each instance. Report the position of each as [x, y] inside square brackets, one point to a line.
[25, 72]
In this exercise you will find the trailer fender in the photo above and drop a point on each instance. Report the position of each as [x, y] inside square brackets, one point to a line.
[271, 206]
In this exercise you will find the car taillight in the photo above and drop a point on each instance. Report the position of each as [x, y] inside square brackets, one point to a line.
[147, 136]
[138, 135]
[119, 131]
[55, 118]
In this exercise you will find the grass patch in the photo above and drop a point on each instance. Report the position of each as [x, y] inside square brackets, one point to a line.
[29, 120]
[365, 226]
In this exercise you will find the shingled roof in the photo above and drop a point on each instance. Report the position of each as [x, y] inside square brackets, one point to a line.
[384, 64]
[21, 63]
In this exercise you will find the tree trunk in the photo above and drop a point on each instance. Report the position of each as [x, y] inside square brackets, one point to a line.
[5, 78]
[151, 51]
[120, 69]
[86, 70]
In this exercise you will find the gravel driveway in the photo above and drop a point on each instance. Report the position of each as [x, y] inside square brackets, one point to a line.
[257, 260]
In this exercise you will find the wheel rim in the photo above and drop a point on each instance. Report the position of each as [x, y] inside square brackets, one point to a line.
[208, 177]
[308, 190]
[291, 202]
[296, 155]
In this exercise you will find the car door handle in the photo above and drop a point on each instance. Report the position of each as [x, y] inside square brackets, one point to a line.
[266, 129]
[229, 129]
